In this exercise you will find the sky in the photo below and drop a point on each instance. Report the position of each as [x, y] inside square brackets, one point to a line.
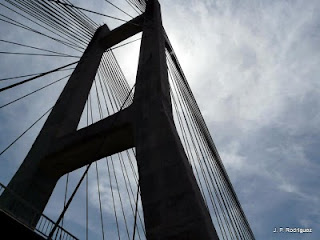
[253, 68]
[256, 80]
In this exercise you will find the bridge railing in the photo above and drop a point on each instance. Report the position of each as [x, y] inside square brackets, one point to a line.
[44, 225]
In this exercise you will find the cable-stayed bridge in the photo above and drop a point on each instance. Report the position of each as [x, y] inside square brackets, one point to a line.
[124, 161]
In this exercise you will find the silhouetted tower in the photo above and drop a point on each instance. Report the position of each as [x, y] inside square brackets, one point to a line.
[172, 202]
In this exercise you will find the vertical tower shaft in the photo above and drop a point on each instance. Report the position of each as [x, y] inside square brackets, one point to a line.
[32, 182]
[172, 202]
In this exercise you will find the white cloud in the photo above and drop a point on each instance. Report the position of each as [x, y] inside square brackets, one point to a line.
[240, 65]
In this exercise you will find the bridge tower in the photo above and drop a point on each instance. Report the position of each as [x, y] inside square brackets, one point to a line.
[172, 202]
